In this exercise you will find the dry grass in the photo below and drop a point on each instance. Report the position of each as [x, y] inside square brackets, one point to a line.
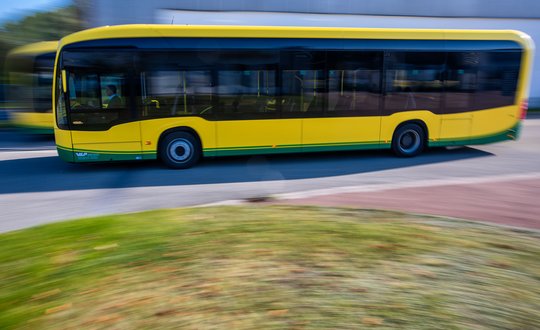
[269, 268]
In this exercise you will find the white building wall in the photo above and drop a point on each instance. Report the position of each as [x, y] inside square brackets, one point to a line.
[103, 12]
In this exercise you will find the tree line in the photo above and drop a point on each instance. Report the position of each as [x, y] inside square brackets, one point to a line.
[42, 26]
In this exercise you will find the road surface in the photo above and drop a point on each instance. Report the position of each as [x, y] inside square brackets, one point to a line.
[36, 187]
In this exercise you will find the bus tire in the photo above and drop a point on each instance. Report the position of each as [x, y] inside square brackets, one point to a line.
[408, 140]
[179, 150]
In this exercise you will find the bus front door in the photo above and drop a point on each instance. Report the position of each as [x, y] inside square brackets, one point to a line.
[103, 123]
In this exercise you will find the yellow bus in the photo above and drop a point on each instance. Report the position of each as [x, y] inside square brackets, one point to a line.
[183, 92]
[30, 70]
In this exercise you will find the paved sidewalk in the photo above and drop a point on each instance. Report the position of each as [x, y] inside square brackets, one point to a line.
[512, 203]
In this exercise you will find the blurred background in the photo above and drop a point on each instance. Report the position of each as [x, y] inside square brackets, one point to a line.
[31, 21]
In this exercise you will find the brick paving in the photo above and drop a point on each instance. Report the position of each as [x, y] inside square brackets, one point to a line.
[512, 203]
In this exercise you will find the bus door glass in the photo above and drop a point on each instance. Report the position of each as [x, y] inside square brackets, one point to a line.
[101, 116]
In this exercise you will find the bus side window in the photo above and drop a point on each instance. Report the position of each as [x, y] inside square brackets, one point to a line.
[481, 80]
[246, 93]
[354, 83]
[199, 92]
[304, 83]
[170, 93]
[414, 81]
[163, 93]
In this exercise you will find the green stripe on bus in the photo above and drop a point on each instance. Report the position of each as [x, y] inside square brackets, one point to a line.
[77, 155]
[293, 149]
[65, 154]
[113, 152]
[89, 155]
[288, 146]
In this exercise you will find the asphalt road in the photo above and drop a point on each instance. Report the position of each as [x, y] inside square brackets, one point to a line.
[37, 187]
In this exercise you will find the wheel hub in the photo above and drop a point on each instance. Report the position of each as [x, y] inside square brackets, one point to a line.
[410, 140]
[180, 150]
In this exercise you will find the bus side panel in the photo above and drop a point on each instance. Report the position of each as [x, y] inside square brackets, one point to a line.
[152, 130]
[341, 133]
[478, 127]
[64, 145]
[390, 123]
[241, 137]
[120, 142]
[497, 124]
[455, 128]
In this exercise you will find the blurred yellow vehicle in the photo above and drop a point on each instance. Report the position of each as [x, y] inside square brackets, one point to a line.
[182, 92]
[30, 70]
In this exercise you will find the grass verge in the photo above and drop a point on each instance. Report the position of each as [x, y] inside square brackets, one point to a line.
[269, 267]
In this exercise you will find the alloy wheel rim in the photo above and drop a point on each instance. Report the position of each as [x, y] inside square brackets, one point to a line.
[409, 141]
[180, 150]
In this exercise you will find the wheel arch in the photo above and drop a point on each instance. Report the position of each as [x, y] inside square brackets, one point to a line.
[418, 122]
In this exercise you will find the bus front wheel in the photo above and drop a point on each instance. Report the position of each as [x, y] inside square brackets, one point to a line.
[179, 150]
[408, 140]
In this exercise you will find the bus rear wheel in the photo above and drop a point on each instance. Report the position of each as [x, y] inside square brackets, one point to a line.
[408, 140]
[179, 150]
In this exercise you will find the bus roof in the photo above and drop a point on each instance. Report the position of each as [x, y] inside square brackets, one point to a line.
[214, 31]
[36, 48]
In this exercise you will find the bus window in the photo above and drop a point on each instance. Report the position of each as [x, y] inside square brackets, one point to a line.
[246, 84]
[413, 81]
[304, 83]
[174, 84]
[459, 83]
[199, 92]
[481, 80]
[246, 93]
[170, 93]
[164, 94]
[354, 83]
[303, 91]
